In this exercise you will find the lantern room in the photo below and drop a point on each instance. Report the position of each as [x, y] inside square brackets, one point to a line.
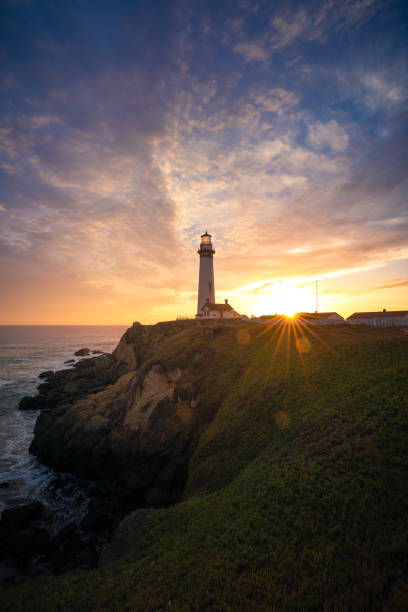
[206, 238]
[206, 249]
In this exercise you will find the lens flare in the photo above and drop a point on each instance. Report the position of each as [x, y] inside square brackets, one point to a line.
[303, 345]
[243, 336]
[282, 419]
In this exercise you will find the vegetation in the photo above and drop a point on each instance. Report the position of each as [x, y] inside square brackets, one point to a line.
[297, 492]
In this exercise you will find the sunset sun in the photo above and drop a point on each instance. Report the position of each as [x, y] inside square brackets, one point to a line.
[286, 299]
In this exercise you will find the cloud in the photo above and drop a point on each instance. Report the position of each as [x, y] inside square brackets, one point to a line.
[253, 52]
[378, 82]
[321, 20]
[395, 283]
[288, 26]
[380, 92]
[285, 31]
[41, 122]
[330, 134]
[277, 100]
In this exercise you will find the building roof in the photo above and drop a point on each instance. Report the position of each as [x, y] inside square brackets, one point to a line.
[317, 315]
[380, 314]
[218, 307]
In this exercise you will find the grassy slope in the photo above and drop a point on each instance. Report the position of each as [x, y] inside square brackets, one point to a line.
[297, 496]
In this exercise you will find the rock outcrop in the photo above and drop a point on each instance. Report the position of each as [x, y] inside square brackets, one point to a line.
[28, 548]
[65, 386]
[82, 352]
[129, 416]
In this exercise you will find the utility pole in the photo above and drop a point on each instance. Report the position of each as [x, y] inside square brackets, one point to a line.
[317, 300]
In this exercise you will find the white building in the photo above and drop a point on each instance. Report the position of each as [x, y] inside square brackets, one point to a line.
[218, 311]
[386, 318]
[320, 318]
[206, 290]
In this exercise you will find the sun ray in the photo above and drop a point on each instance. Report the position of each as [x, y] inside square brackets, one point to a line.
[283, 330]
[298, 336]
[309, 328]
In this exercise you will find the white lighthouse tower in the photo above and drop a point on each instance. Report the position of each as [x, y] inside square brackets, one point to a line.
[206, 291]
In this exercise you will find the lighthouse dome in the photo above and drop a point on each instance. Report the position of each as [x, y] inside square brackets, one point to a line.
[206, 238]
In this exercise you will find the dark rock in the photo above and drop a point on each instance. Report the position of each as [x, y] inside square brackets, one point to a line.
[70, 361]
[4, 485]
[44, 388]
[87, 558]
[39, 566]
[64, 387]
[74, 387]
[97, 522]
[97, 352]
[21, 517]
[46, 374]
[57, 483]
[84, 558]
[97, 505]
[63, 562]
[85, 364]
[100, 517]
[32, 403]
[52, 399]
[63, 535]
[72, 542]
[157, 497]
[134, 523]
[96, 389]
[28, 551]
[24, 544]
[99, 490]
[8, 571]
[82, 352]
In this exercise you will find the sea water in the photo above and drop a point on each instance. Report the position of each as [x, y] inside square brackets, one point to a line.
[25, 352]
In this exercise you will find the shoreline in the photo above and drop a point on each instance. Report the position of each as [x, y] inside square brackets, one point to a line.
[64, 498]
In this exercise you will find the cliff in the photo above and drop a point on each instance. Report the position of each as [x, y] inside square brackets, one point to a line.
[287, 448]
[139, 418]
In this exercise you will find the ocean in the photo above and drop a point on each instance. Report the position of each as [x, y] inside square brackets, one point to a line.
[25, 352]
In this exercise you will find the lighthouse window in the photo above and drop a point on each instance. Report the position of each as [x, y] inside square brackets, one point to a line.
[206, 239]
[210, 285]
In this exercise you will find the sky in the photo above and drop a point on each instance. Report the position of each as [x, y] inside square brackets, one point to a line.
[127, 129]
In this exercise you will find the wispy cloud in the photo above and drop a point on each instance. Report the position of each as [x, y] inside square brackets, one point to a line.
[380, 91]
[314, 23]
[276, 100]
[396, 283]
[330, 134]
[286, 30]
[252, 51]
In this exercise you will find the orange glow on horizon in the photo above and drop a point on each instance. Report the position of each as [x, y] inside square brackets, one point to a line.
[284, 299]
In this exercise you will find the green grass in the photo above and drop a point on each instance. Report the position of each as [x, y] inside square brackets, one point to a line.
[297, 493]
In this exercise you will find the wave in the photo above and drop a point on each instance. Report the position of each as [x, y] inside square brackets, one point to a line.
[5, 382]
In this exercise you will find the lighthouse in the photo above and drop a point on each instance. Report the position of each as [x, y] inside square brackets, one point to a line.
[206, 291]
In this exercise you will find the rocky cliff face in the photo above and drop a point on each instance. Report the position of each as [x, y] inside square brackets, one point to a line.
[130, 416]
